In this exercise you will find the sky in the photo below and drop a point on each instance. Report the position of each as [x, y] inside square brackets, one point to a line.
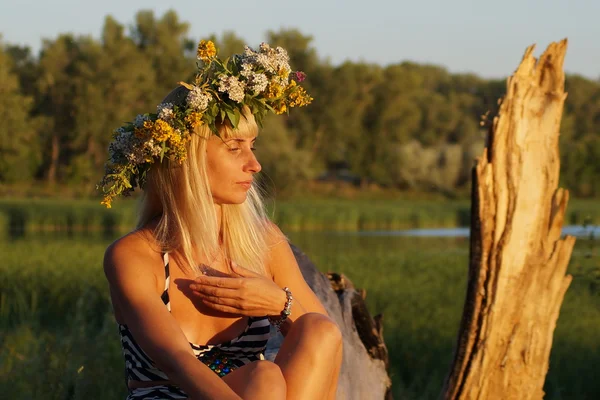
[484, 37]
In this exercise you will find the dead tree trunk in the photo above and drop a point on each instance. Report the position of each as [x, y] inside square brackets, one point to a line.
[518, 260]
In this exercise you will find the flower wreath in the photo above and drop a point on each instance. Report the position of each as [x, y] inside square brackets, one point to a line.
[261, 80]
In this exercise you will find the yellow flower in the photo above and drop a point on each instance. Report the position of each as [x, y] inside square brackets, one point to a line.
[280, 109]
[193, 120]
[206, 50]
[144, 130]
[161, 131]
[107, 201]
[273, 91]
[298, 97]
[283, 73]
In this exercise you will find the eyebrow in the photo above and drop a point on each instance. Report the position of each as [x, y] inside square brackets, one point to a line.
[239, 140]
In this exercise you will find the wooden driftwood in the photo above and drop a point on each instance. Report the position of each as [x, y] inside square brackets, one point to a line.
[518, 260]
[365, 361]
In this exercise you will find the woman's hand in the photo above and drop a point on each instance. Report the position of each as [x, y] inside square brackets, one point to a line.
[248, 294]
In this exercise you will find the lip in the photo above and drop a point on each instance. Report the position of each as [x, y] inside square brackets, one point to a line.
[245, 184]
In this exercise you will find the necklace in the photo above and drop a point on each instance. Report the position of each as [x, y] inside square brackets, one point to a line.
[209, 270]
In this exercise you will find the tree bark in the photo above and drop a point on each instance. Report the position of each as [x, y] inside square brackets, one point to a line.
[518, 261]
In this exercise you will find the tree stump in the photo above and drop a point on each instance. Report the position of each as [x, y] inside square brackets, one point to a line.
[518, 260]
[365, 361]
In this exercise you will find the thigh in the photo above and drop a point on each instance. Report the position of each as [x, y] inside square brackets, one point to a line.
[258, 379]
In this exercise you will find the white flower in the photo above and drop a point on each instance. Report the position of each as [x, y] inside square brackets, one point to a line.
[258, 82]
[267, 63]
[246, 69]
[197, 99]
[165, 111]
[154, 149]
[233, 87]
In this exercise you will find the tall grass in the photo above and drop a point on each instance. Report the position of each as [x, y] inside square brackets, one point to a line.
[59, 340]
[419, 285]
[19, 217]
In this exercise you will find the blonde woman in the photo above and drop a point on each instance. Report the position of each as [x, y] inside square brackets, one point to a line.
[196, 287]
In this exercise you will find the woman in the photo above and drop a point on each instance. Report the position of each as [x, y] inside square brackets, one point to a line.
[197, 285]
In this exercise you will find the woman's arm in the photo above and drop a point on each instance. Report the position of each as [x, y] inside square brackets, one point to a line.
[286, 273]
[252, 294]
[133, 288]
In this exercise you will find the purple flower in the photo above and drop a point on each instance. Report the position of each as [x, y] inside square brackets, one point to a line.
[300, 76]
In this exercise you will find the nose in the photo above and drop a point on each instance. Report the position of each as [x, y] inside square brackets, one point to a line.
[252, 165]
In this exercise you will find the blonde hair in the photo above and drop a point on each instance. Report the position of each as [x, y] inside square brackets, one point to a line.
[180, 195]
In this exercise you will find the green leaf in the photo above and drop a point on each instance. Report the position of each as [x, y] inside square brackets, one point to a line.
[162, 152]
[234, 117]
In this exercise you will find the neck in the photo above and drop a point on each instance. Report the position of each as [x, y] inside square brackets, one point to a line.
[219, 214]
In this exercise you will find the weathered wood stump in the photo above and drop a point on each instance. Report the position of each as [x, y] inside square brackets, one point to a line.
[364, 368]
[518, 261]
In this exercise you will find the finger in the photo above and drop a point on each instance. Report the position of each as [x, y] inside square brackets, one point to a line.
[230, 283]
[222, 301]
[204, 290]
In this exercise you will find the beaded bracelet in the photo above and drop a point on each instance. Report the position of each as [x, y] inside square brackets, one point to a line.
[277, 322]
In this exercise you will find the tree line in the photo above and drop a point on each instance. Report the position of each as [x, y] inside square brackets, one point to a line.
[407, 126]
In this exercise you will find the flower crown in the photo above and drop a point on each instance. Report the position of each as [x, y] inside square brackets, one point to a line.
[261, 80]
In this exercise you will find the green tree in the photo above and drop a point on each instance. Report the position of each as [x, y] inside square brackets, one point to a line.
[170, 51]
[19, 148]
[228, 44]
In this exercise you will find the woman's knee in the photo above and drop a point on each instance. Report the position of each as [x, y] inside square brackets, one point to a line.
[268, 378]
[321, 328]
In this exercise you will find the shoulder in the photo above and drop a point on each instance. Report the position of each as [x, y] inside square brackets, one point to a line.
[279, 253]
[277, 242]
[133, 255]
[274, 236]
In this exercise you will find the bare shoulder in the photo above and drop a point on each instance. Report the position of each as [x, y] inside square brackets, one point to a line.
[131, 255]
[275, 237]
[279, 252]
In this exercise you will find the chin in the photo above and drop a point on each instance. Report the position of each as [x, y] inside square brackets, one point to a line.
[240, 199]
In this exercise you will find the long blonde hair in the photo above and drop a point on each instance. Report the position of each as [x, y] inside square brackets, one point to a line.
[180, 196]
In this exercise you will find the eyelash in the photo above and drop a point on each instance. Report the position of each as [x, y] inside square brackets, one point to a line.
[234, 149]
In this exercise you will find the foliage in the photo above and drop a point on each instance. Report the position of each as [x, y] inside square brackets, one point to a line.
[407, 126]
[19, 153]
[60, 340]
[22, 217]
[261, 81]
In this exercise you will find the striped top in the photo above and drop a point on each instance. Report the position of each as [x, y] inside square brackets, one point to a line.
[247, 347]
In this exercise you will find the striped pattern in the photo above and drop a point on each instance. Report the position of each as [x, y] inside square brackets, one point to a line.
[247, 347]
[161, 392]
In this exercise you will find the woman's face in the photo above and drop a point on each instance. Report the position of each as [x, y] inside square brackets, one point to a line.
[231, 165]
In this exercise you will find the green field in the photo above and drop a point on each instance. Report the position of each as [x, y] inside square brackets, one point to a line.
[60, 341]
[19, 217]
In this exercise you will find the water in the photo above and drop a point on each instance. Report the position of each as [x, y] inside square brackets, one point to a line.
[573, 230]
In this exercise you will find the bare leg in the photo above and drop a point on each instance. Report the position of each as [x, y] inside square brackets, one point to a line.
[335, 374]
[310, 357]
[260, 380]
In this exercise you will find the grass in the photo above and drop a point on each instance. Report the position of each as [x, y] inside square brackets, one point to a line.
[19, 217]
[59, 339]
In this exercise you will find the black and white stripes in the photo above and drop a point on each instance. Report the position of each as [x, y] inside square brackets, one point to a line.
[247, 347]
